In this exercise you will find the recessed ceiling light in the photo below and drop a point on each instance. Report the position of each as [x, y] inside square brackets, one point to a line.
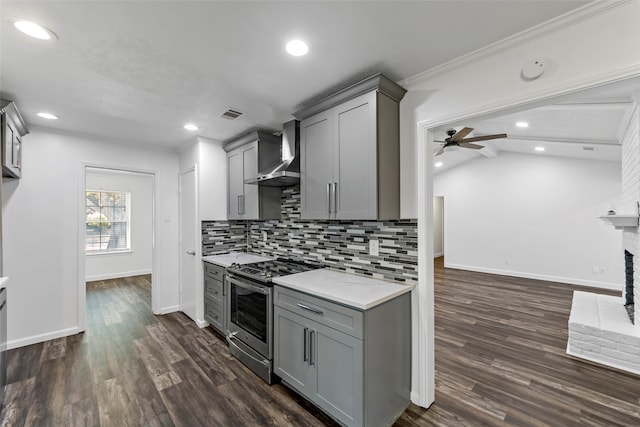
[32, 29]
[438, 164]
[540, 149]
[48, 116]
[522, 124]
[190, 126]
[297, 48]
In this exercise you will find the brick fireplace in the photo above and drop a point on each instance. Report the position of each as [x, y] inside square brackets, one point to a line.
[600, 330]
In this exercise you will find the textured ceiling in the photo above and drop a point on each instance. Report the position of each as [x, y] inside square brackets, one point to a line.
[139, 70]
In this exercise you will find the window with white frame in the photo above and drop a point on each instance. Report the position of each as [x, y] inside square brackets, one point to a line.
[107, 221]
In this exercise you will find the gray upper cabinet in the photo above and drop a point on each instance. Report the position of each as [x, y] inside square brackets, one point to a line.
[245, 157]
[12, 129]
[350, 153]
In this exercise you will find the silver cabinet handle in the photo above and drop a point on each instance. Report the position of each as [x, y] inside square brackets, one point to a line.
[335, 198]
[239, 208]
[311, 309]
[191, 252]
[242, 204]
[329, 198]
[306, 345]
[232, 336]
[312, 335]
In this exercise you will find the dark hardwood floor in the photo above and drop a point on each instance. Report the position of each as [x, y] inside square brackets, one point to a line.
[500, 360]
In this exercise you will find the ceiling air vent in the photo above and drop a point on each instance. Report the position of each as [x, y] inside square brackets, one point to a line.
[585, 148]
[231, 114]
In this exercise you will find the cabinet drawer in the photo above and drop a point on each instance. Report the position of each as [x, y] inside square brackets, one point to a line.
[213, 271]
[213, 313]
[333, 315]
[213, 289]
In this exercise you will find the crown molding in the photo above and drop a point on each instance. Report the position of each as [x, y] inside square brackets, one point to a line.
[533, 99]
[571, 18]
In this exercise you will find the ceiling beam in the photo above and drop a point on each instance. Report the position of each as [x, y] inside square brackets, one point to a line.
[527, 139]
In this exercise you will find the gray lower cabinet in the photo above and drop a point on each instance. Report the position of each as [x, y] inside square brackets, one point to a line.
[352, 364]
[214, 296]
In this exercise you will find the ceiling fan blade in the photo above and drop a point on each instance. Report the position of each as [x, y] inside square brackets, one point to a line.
[439, 152]
[485, 137]
[457, 137]
[474, 146]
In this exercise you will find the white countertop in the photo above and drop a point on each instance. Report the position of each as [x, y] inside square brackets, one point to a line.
[355, 291]
[226, 260]
[3, 282]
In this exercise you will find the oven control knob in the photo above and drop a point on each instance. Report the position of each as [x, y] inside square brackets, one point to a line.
[267, 274]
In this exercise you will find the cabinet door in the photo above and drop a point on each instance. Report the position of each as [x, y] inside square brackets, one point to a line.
[250, 208]
[338, 359]
[291, 334]
[235, 166]
[316, 165]
[355, 158]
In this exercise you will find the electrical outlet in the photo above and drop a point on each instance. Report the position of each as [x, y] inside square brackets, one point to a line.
[507, 261]
[374, 247]
[595, 270]
[603, 270]
[264, 236]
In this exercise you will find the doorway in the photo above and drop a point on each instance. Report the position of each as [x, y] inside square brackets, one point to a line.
[117, 229]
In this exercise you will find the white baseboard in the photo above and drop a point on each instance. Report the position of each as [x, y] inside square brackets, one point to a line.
[167, 310]
[117, 275]
[536, 276]
[42, 337]
[202, 323]
[438, 255]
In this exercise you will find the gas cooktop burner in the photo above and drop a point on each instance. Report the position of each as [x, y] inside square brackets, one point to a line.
[265, 271]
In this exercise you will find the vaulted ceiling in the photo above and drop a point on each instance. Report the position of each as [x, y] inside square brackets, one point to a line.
[587, 125]
[139, 70]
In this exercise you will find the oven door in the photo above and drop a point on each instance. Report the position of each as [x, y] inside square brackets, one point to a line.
[250, 308]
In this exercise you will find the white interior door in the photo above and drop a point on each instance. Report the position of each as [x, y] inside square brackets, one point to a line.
[188, 242]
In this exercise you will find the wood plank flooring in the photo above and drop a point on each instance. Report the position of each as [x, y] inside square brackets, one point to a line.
[500, 361]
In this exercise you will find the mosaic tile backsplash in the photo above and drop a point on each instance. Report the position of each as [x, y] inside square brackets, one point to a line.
[342, 245]
[221, 237]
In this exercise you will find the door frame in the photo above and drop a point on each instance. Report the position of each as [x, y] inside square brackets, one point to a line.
[82, 288]
[423, 317]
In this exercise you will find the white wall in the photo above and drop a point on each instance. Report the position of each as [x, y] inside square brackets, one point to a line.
[598, 45]
[42, 214]
[533, 216]
[438, 226]
[138, 260]
[210, 160]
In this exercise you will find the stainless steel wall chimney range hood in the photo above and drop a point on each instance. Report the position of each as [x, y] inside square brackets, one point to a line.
[287, 172]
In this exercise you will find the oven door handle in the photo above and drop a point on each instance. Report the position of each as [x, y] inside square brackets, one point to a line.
[230, 339]
[256, 288]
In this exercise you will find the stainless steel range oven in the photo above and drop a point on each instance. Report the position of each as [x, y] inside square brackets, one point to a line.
[250, 311]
